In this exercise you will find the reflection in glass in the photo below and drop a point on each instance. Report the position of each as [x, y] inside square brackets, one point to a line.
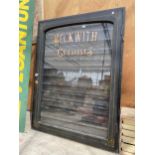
[76, 79]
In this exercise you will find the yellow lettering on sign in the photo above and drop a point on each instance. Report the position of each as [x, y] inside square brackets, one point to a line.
[22, 26]
[21, 52]
[21, 57]
[20, 89]
[22, 35]
[21, 77]
[23, 5]
[24, 17]
[21, 64]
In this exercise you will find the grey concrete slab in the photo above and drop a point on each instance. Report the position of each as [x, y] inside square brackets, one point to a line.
[33, 142]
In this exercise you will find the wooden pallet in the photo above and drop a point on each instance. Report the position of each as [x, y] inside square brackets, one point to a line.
[127, 138]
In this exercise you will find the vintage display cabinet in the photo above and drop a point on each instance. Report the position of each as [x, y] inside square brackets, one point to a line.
[78, 77]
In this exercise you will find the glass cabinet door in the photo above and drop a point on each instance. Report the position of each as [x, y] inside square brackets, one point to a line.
[76, 78]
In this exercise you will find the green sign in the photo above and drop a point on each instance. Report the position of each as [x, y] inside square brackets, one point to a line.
[26, 17]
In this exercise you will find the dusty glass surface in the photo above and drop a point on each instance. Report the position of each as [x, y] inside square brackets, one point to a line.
[76, 78]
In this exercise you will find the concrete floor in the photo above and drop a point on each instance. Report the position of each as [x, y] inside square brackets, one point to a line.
[33, 142]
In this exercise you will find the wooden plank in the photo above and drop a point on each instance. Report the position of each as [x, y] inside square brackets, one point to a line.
[128, 133]
[128, 140]
[128, 148]
[127, 112]
[126, 153]
[128, 116]
[128, 71]
[128, 121]
[59, 8]
[31, 82]
[38, 15]
[95, 5]
[128, 127]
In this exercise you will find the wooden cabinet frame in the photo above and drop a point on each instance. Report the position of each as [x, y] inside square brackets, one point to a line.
[115, 16]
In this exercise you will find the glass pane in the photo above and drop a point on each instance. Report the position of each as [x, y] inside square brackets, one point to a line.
[76, 78]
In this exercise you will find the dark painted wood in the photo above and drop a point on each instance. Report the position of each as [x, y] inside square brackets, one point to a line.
[115, 16]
